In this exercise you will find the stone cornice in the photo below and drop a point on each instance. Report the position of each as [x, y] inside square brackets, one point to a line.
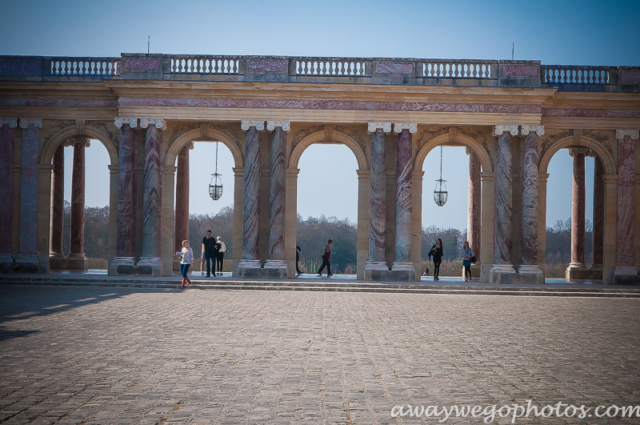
[245, 125]
[633, 134]
[384, 126]
[284, 125]
[159, 123]
[399, 126]
[499, 129]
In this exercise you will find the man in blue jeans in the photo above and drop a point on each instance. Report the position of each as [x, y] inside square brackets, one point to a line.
[208, 244]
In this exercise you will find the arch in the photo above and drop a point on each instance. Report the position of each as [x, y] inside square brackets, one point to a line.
[568, 142]
[471, 143]
[211, 135]
[337, 136]
[92, 133]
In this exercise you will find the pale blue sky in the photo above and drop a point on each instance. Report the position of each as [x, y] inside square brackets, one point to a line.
[555, 32]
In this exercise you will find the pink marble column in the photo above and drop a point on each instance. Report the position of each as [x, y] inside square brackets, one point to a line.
[377, 200]
[57, 203]
[503, 209]
[29, 192]
[473, 203]
[127, 193]
[78, 197]
[152, 193]
[404, 169]
[626, 180]
[251, 210]
[598, 214]
[182, 198]
[577, 208]
[277, 193]
[6, 188]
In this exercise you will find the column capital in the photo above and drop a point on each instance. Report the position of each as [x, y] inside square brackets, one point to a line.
[159, 123]
[284, 125]
[633, 134]
[26, 122]
[120, 121]
[373, 126]
[577, 151]
[77, 140]
[245, 125]
[499, 129]
[526, 129]
[11, 122]
[399, 126]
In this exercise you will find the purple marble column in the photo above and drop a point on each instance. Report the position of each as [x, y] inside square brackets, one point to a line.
[6, 188]
[530, 175]
[503, 198]
[78, 197]
[377, 200]
[626, 180]
[29, 190]
[57, 203]
[127, 196]
[473, 203]
[152, 192]
[251, 210]
[577, 208]
[598, 214]
[182, 198]
[277, 192]
[404, 177]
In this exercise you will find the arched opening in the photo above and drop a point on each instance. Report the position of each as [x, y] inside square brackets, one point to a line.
[331, 202]
[460, 218]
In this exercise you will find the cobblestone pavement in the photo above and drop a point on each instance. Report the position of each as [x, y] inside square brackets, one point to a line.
[111, 356]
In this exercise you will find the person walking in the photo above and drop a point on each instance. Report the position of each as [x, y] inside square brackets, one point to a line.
[298, 250]
[436, 252]
[186, 257]
[326, 255]
[467, 254]
[208, 244]
[222, 248]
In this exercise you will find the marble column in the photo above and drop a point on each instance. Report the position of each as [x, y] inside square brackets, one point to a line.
[6, 191]
[529, 269]
[377, 199]
[27, 258]
[124, 260]
[474, 203]
[403, 222]
[76, 259]
[625, 271]
[150, 260]
[251, 208]
[502, 270]
[577, 268]
[182, 197]
[598, 218]
[57, 208]
[277, 194]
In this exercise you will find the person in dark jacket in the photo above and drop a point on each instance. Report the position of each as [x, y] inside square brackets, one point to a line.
[326, 255]
[209, 245]
[436, 252]
[298, 260]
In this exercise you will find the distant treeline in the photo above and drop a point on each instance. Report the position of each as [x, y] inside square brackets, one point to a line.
[312, 235]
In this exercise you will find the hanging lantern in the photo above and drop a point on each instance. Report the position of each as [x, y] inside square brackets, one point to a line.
[440, 193]
[215, 186]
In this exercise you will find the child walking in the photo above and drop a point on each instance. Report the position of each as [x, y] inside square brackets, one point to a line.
[186, 258]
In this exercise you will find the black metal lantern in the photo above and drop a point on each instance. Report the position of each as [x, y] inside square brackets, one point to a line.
[215, 186]
[440, 194]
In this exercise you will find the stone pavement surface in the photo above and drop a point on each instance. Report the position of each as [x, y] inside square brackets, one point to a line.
[121, 355]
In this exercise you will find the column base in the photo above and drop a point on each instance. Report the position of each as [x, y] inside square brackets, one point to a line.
[624, 275]
[271, 267]
[596, 271]
[6, 262]
[531, 273]
[175, 265]
[57, 261]
[77, 261]
[122, 266]
[252, 269]
[577, 271]
[374, 270]
[150, 266]
[401, 271]
[27, 263]
[503, 273]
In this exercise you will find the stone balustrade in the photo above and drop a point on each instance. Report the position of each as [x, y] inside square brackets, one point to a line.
[400, 71]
